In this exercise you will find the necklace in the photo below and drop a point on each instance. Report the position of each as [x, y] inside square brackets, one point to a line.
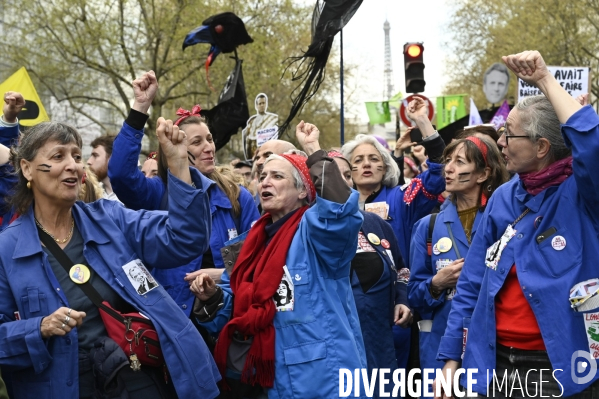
[54, 238]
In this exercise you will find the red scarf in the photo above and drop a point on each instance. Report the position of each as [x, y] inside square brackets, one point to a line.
[254, 281]
[552, 175]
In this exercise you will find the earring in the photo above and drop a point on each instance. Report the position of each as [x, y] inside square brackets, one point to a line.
[83, 178]
[29, 185]
[489, 188]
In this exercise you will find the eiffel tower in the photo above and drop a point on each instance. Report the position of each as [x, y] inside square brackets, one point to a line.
[388, 78]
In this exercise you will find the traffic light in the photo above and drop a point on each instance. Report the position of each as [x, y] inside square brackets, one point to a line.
[414, 67]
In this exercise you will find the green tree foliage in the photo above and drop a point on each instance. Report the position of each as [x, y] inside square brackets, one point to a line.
[482, 31]
[87, 53]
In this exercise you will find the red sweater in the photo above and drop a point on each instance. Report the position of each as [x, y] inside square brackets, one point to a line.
[516, 323]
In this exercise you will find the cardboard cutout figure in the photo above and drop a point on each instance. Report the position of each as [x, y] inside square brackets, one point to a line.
[260, 128]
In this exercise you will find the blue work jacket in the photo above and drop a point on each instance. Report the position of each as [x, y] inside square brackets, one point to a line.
[8, 134]
[546, 275]
[138, 192]
[113, 236]
[402, 216]
[223, 225]
[423, 269]
[322, 333]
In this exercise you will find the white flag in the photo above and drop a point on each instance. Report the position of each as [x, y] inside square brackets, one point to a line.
[475, 118]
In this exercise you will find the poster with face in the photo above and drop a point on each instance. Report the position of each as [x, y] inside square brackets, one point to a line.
[260, 128]
[139, 277]
[284, 297]
[496, 81]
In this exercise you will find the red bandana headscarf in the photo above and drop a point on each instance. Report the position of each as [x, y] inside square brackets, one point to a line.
[337, 154]
[299, 163]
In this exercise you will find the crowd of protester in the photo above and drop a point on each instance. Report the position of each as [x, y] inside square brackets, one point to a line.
[263, 278]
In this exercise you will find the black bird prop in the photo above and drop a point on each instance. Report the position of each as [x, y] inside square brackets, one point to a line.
[224, 32]
[328, 18]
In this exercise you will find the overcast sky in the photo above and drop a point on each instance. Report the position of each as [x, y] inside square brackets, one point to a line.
[411, 21]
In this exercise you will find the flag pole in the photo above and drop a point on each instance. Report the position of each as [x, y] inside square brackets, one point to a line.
[341, 116]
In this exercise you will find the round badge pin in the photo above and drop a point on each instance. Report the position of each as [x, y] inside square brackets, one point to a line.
[558, 243]
[436, 250]
[385, 244]
[444, 244]
[374, 239]
[79, 274]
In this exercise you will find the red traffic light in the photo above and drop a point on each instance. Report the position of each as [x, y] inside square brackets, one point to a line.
[414, 50]
[414, 67]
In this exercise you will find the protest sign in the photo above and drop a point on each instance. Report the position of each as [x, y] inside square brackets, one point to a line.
[263, 135]
[575, 80]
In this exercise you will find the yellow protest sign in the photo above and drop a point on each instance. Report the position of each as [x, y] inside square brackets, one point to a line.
[33, 112]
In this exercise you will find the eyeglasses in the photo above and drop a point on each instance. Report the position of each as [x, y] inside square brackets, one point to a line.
[504, 132]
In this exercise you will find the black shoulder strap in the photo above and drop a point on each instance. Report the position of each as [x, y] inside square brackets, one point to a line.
[66, 263]
[453, 243]
[429, 237]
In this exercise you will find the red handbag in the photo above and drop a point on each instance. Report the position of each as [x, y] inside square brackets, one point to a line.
[135, 334]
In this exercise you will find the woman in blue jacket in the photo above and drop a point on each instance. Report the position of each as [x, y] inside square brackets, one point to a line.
[293, 350]
[473, 171]
[376, 177]
[527, 294]
[232, 207]
[379, 279]
[51, 334]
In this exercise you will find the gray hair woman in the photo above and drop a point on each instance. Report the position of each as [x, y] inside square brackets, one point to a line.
[310, 247]
[529, 280]
[376, 175]
[535, 119]
[389, 171]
